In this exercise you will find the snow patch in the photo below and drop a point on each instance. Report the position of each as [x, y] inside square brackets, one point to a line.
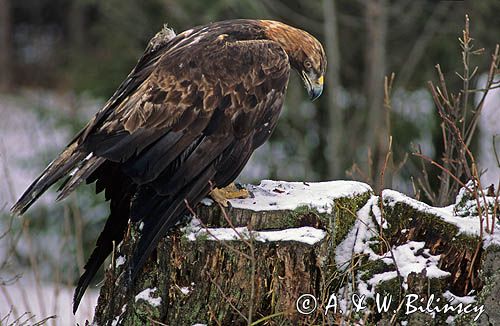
[377, 213]
[412, 257]
[207, 201]
[392, 197]
[146, 295]
[306, 234]
[455, 299]
[119, 261]
[407, 258]
[357, 240]
[191, 230]
[185, 290]
[282, 195]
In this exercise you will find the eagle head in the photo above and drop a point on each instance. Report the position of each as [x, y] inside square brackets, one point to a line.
[304, 51]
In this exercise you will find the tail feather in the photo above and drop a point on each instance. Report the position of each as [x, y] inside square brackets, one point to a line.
[84, 171]
[113, 232]
[93, 264]
[60, 167]
[165, 216]
[120, 189]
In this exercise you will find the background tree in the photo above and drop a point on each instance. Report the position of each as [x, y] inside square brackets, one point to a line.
[5, 45]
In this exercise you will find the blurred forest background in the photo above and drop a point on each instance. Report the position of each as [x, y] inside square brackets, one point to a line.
[61, 59]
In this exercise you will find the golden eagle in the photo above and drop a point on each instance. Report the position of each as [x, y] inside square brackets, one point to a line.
[186, 119]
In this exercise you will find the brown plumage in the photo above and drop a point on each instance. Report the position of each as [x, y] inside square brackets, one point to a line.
[187, 118]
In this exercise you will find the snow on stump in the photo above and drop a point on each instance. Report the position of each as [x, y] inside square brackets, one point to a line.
[428, 262]
[254, 258]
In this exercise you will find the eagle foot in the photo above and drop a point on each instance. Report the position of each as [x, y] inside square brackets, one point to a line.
[232, 191]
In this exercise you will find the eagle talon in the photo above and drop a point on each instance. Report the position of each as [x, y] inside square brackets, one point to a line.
[233, 191]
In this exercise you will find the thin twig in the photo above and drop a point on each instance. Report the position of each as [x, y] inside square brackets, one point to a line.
[443, 169]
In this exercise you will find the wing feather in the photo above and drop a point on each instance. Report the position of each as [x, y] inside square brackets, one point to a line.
[75, 153]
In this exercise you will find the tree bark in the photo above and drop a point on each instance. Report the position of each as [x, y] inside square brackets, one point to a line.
[377, 133]
[336, 163]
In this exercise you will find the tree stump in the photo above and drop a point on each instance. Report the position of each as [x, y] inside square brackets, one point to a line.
[298, 254]
[193, 278]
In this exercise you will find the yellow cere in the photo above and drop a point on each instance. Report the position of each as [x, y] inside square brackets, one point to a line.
[321, 80]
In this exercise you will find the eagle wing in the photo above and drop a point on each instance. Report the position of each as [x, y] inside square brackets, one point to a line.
[75, 160]
[190, 125]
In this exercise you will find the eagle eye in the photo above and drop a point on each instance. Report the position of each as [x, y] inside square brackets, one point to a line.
[307, 64]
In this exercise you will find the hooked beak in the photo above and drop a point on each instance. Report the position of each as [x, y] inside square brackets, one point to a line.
[314, 87]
